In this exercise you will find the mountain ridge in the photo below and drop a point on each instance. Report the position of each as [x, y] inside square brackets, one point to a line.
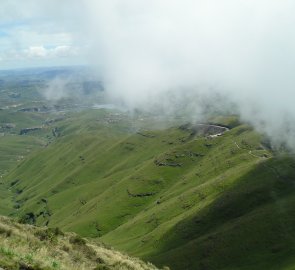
[180, 194]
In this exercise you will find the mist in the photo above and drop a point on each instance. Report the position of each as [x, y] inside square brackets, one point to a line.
[174, 55]
[171, 53]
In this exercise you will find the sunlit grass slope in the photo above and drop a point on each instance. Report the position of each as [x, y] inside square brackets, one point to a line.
[35, 248]
[170, 196]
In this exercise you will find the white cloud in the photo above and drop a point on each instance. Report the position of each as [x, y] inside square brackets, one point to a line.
[158, 49]
[56, 52]
[39, 30]
[40, 54]
[36, 52]
[64, 51]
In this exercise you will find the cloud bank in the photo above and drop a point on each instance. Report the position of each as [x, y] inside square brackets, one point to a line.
[180, 54]
[160, 51]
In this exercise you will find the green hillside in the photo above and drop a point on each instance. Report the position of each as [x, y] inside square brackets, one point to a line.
[174, 196]
[26, 247]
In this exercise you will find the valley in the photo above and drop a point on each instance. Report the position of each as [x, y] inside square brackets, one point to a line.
[207, 195]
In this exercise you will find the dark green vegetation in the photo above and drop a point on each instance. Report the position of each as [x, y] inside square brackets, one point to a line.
[174, 196]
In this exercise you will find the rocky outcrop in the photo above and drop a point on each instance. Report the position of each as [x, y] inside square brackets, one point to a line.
[146, 135]
[27, 130]
[204, 129]
[169, 164]
[147, 194]
[55, 132]
[35, 109]
[51, 121]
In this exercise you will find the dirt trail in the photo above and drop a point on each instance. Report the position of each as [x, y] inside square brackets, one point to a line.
[250, 152]
[273, 169]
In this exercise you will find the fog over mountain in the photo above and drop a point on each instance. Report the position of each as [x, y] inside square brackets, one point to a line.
[174, 54]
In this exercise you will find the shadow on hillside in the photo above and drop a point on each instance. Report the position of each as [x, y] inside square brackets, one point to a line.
[250, 226]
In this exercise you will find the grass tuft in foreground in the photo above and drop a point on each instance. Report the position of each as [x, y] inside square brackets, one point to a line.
[28, 247]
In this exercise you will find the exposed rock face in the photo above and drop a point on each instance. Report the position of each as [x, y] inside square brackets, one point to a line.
[27, 130]
[147, 194]
[204, 129]
[55, 132]
[51, 121]
[169, 164]
[146, 135]
[34, 109]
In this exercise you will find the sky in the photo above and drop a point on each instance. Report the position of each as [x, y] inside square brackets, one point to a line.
[39, 33]
[168, 53]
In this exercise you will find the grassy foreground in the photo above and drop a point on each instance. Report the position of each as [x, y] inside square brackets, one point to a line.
[35, 248]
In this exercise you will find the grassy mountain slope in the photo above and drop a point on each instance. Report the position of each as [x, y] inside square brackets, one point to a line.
[14, 148]
[35, 248]
[170, 196]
